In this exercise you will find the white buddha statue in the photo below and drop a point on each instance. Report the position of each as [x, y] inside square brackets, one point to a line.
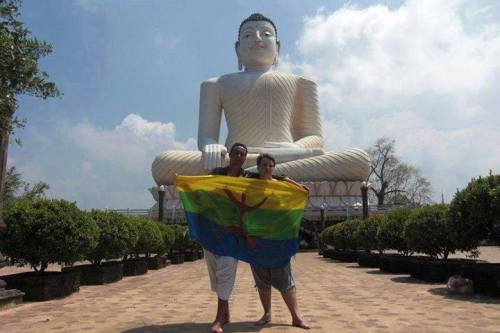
[267, 110]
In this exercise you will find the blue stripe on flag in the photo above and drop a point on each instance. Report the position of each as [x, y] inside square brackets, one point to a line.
[213, 237]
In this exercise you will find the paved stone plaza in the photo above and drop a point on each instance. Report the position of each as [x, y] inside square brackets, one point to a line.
[333, 297]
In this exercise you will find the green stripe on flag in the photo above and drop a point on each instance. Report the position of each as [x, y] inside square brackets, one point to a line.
[263, 223]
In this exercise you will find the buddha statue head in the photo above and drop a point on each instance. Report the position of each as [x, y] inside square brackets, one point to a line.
[258, 46]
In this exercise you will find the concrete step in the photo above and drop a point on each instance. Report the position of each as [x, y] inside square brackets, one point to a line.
[10, 298]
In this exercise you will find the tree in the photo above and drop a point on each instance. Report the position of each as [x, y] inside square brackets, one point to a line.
[43, 231]
[19, 75]
[393, 181]
[13, 185]
[475, 212]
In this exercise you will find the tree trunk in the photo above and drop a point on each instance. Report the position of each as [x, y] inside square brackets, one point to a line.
[381, 194]
[4, 145]
[380, 200]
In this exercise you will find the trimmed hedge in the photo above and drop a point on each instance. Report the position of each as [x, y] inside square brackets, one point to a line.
[391, 229]
[428, 231]
[342, 235]
[366, 234]
[43, 231]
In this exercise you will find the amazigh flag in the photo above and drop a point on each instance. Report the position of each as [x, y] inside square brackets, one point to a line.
[253, 220]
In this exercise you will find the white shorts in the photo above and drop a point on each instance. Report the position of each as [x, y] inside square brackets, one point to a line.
[222, 273]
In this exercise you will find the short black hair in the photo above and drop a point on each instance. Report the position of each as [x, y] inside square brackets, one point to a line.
[257, 17]
[238, 144]
[265, 155]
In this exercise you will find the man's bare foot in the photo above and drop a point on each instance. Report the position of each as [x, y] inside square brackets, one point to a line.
[301, 324]
[216, 327]
[266, 318]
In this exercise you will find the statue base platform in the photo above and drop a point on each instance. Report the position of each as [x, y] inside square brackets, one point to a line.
[334, 198]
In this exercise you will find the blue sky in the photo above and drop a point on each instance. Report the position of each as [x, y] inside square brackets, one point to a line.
[424, 73]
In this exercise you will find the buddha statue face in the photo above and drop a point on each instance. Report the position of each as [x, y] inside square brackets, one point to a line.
[258, 46]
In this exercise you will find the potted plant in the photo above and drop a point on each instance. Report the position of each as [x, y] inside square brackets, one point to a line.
[132, 226]
[177, 251]
[191, 249]
[474, 215]
[168, 238]
[131, 265]
[148, 241]
[112, 244]
[199, 250]
[41, 232]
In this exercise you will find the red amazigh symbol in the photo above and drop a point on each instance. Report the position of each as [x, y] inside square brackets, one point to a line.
[240, 231]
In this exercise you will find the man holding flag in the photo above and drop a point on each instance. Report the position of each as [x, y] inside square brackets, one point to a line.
[280, 278]
[222, 269]
[254, 220]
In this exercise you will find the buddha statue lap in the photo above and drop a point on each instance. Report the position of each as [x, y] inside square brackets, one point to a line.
[267, 110]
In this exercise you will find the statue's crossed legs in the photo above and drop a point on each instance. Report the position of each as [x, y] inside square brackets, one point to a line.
[347, 165]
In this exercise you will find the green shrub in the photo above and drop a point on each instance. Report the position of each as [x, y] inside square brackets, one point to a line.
[182, 241]
[325, 235]
[113, 236]
[390, 231]
[366, 233]
[168, 236]
[475, 212]
[342, 235]
[150, 238]
[428, 231]
[132, 224]
[43, 231]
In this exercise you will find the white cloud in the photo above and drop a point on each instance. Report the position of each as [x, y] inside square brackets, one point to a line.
[424, 74]
[97, 168]
[131, 145]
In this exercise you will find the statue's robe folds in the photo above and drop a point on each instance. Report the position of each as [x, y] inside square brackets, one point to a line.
[265, 107]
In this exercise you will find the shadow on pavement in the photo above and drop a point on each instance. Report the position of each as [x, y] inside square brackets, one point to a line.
[474, 298]
[409, 279]
[245, 326]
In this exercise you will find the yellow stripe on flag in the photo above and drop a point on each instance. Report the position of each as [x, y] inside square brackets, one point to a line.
[280, 195]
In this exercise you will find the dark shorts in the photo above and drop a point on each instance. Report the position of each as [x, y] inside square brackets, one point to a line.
[279, 278]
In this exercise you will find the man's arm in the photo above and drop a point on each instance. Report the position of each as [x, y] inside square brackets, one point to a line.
[291, 181]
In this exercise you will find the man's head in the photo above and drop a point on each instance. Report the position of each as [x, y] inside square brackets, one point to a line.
[257, 43]
[265, 165]
[238, 154]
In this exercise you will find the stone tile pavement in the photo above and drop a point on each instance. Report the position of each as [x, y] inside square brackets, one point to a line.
[333, 297]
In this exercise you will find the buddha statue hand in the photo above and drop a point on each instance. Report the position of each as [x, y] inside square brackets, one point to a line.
[213, 156]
